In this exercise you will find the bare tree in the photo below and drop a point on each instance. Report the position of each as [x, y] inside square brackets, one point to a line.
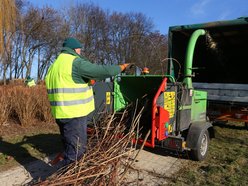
[36, 41]
[108, 38]
[155, 53]
[7, 27]
[7, 19]
[128, 33]
[89, 24]
[53, 30]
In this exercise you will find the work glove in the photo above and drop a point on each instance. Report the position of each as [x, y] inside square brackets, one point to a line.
[91, 82]
[124, 66]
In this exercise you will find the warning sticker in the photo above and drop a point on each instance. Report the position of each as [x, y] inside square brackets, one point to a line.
[169, 103]
[108, 98]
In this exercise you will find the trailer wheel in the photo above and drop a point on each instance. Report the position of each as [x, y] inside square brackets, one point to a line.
[201, 150]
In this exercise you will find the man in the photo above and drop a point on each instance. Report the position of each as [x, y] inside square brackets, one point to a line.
[71, 96]
[30, 82]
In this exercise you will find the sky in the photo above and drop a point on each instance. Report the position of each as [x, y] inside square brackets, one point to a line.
[165, 13]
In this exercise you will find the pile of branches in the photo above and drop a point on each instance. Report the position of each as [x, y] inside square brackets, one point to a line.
[109, 155]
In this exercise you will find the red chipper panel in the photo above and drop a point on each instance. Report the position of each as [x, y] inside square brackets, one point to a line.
[162, 118]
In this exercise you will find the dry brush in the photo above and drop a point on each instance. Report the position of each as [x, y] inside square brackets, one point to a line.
[109, 154]
[23, 105]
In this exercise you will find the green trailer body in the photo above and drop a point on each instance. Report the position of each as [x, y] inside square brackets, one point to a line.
[219, 59]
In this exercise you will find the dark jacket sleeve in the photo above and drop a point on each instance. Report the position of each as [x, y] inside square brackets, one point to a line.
[88, 70]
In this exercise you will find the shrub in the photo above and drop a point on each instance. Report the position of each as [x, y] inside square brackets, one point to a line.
[5, 106]
[43, 107]
[24, 103]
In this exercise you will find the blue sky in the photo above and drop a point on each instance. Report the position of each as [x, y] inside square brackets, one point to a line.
[165, 13]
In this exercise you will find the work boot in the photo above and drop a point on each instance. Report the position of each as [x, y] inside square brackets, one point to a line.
[59, 157]
[60, 165]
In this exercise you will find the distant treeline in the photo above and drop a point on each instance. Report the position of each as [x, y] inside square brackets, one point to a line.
[107, 38]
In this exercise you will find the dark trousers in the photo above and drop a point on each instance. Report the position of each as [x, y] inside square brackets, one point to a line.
[74, 137]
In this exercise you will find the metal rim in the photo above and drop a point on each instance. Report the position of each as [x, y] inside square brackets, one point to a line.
[204, 144]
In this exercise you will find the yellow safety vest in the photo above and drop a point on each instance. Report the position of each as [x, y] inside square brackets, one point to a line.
[67, 98]
[31, 83]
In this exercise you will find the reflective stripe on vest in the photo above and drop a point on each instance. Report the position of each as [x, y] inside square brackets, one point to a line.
[68, 90]
[70, 103]
[67, 98]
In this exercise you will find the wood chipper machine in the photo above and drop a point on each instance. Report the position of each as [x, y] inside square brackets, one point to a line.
[175, 113]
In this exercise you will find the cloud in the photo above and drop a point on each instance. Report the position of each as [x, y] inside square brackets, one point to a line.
[224, 15]
[199, 8]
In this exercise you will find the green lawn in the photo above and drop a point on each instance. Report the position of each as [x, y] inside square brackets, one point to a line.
[28, 146]
[227, 161]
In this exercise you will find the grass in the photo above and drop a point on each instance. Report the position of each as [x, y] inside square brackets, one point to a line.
[227, 161]
[28, 146]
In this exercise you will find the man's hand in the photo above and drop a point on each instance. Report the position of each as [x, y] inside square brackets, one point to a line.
[124, 66]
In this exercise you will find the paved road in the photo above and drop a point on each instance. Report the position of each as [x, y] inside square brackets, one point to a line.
[22, 175]
[153, 168]
[150, 168]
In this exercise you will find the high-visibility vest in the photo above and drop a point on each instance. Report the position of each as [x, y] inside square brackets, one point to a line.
[67, 98]
[31, 83]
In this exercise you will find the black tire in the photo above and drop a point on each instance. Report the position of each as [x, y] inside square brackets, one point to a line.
[201, 150]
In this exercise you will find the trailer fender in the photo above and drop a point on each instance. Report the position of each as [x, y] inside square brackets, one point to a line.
[195, 132]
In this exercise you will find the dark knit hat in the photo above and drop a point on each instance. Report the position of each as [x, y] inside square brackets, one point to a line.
[72, 43]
